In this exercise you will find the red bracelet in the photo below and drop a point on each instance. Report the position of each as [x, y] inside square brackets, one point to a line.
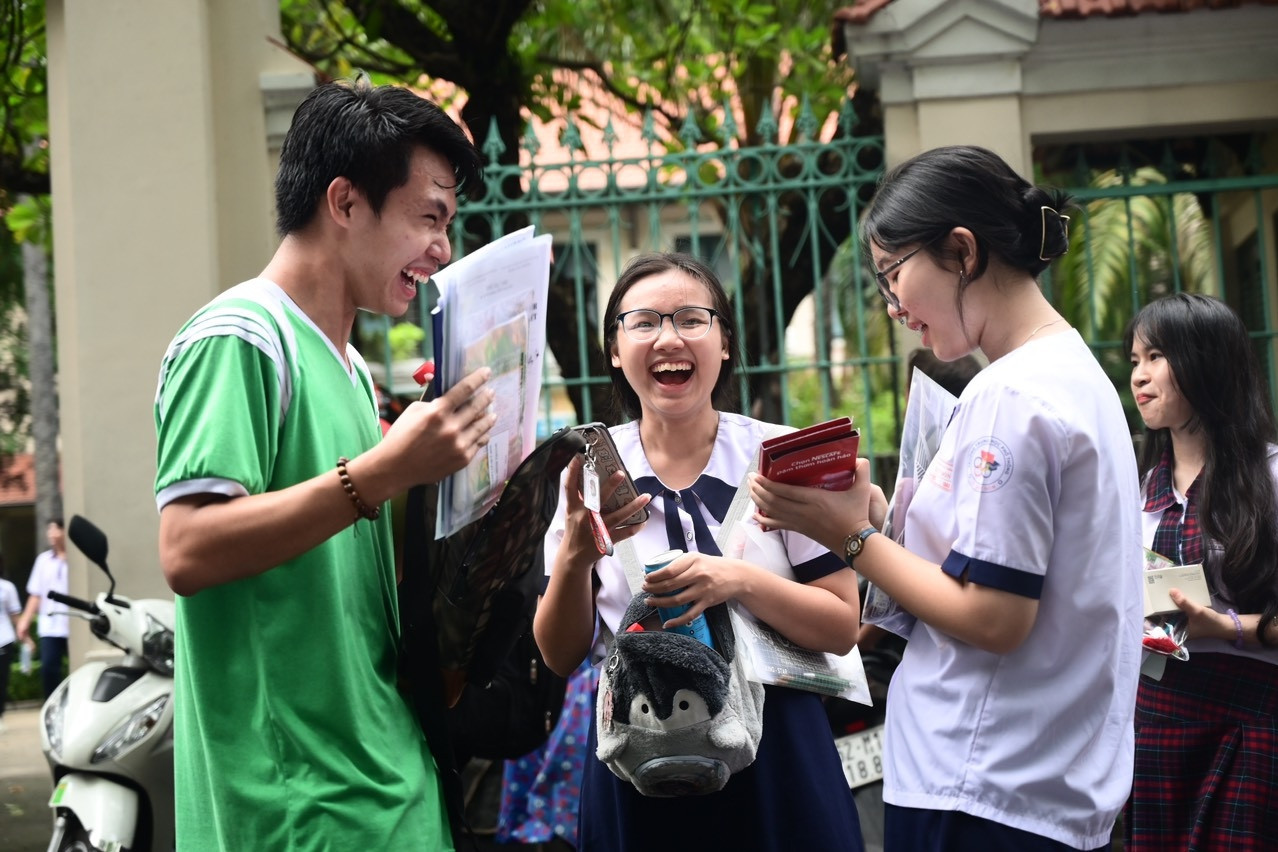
[1238, 640]
[362, 509]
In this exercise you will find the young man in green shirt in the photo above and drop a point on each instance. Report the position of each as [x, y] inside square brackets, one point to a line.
[289, 730]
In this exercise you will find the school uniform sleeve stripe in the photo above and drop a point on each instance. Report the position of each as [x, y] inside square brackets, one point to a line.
[992, 574]
[206, 485]
[814, 569]
[234, 322]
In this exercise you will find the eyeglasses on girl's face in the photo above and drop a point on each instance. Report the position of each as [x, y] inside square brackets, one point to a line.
[644, 325]
[881, 275]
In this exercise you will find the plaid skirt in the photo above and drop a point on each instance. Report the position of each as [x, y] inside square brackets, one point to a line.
[1206, 757]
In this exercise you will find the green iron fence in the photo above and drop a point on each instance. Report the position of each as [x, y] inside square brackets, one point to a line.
[778, 221]
[774, 220]
[1161, 216]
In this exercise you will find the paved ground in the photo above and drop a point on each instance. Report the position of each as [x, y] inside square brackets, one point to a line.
[25, 783]
[25, 786]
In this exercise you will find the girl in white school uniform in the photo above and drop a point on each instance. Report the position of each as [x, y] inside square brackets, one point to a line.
[1206, 777]
[1009, 720]
[668, 331]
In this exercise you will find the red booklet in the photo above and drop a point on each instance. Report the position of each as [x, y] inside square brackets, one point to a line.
[823, 455]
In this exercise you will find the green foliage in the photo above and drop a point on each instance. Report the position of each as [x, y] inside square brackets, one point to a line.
[25, 687]
[333, 36]
[670, 57]
[15, 394]
[699, 73]
[1125, 252]
[24, 201]
[24, 107]
[677, 58]
[406, 341]
[848, 398]
[30, 220]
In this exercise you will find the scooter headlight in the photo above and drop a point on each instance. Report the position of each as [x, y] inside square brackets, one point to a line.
[157, 646]
[54, 711]
[131, 731]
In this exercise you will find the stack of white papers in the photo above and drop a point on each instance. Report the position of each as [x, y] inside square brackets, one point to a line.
[492, 312]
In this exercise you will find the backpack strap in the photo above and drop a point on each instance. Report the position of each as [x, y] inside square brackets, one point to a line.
[419, 667]
[736, 511]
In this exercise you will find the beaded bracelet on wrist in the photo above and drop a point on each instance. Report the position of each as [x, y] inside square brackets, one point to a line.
[1238, 631]
[362, 509]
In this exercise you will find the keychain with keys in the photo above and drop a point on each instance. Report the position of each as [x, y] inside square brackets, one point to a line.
[590, 496]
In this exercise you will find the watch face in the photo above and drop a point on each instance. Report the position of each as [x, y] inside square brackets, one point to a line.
[854, 543]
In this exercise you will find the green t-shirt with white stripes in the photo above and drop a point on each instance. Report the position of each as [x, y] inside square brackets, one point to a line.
[289, 730]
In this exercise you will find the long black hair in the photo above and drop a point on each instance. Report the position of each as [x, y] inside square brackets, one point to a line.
[625, 400]
[1217, 372]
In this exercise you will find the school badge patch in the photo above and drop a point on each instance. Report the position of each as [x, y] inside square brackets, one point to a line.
[989, 464]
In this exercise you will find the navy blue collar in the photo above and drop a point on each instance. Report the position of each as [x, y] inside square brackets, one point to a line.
[707, 491]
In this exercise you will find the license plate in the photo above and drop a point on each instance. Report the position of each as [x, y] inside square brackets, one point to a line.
[862, 756]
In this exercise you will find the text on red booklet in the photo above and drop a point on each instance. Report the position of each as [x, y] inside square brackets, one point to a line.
[822, 455]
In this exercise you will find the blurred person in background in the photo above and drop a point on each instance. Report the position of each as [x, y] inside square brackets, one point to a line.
[48, 574]
[10, 607]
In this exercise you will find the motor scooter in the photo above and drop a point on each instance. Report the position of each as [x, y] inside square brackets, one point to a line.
[107, 729]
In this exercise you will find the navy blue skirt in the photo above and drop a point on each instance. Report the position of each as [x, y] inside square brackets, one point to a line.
[922, 830]
[794, 796]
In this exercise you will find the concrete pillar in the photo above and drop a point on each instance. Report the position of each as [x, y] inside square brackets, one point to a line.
[161, 197]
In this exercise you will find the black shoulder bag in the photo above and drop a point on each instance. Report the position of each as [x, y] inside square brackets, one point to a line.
[468, 661]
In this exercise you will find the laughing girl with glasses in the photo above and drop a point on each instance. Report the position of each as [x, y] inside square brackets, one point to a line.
[672, 364]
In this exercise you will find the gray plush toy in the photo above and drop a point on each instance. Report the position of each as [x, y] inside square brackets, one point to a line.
[674, 716]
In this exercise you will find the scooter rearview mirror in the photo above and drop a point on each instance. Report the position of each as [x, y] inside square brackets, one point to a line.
[91, 540]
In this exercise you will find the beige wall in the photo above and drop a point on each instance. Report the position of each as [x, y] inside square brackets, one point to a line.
[161, 179]
[993, 73]
[991, 122]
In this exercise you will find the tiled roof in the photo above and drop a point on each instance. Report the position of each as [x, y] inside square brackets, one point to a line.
[17, 480]
[1121, 8]
[861, 11]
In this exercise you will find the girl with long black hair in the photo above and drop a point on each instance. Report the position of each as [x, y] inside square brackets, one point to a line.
[1205, 731]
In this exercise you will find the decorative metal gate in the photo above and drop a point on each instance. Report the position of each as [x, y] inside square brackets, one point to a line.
[1160, 216]
[778, 224]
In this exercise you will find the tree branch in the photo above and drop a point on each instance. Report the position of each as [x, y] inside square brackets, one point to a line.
[16, 179]
[435, 56]
[672, 119]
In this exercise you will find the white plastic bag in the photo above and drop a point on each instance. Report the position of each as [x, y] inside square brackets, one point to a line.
[927, 414]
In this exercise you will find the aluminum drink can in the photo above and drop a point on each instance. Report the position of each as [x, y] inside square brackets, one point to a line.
[698, 628]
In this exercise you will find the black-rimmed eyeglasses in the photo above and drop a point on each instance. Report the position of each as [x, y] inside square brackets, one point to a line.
[885, 289]
[644, 325]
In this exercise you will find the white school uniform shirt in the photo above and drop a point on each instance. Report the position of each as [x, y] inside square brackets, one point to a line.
[50, 573]
[736, 445]
[1030, 492]
[1149, 525]
[10, 606]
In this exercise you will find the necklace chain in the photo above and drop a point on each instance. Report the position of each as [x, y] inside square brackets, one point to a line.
[1030, 336]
